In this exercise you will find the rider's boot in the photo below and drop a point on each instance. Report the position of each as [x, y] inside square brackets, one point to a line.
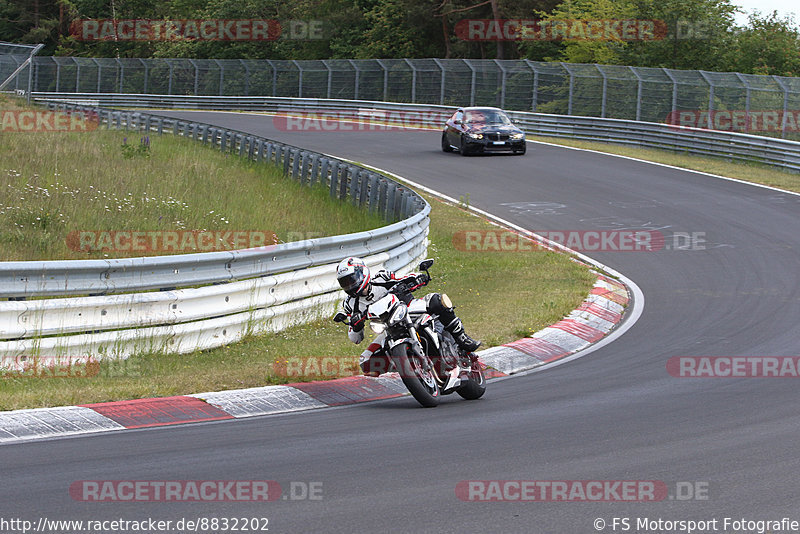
[456, 329]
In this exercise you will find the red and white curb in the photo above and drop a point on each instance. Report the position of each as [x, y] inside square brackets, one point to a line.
[597, 316]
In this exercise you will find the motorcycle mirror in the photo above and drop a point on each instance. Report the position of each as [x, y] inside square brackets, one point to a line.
[339, 318]
[426, 264]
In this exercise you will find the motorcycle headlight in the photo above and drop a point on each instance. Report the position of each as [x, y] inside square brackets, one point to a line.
[398, 315]
[377, 327]
[475, 135]
[518, 136]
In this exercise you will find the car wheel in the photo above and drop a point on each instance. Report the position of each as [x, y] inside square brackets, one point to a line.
[445, 143]
[521, 152]
[462, 148]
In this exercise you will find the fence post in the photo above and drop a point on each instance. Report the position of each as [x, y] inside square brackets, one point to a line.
[330, 78]
[299, 78]
[472, 80]
[785, 104]
[638, 93]
[413, 81]
[605, 91]
[385, 80]
[502, 83]
[746, 101]
[710, 99]
[674, 90]
[441, 85]
[535, 95]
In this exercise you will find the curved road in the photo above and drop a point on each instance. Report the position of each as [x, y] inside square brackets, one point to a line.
[615, 414]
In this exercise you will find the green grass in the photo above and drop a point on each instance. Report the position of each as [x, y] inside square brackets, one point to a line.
[749, 172]
[55, 186]
[501, 296]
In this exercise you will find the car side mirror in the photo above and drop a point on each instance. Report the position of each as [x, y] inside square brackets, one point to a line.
[426, 264]
[340, 317]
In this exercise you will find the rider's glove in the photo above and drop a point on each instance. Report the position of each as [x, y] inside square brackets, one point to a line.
[357, 321]
[423, 279]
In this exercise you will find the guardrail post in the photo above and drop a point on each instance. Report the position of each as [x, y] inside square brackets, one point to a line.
[286, 153]
[345, 175]
[373, 193]
[383, 196]
[364, 187]
[223, 140]
[296, 159]
[355, 175]
[259, 149]
[334, 178]
[314, 169]
[242, 143]
[302, 177]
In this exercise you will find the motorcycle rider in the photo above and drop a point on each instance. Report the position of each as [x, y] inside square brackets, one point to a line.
[364, 288]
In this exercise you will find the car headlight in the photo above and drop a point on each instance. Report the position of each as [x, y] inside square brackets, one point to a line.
[377, 327]
[475, 135]
[518, 136]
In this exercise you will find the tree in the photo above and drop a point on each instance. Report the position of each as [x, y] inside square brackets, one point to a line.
[769, 44]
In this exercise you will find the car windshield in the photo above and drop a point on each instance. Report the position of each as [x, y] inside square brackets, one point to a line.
[486, 117]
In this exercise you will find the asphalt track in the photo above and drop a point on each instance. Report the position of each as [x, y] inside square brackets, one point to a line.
[615, 414]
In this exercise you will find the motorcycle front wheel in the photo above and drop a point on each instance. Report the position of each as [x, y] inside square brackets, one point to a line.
[476, 387]
[420, 381]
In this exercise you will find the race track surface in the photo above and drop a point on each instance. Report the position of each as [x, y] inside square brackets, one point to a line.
[616, 414]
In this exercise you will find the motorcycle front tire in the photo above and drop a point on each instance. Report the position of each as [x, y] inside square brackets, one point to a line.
[476, 387]
[421, 385]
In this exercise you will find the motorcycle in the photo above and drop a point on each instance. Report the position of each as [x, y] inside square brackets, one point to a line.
[426, 356]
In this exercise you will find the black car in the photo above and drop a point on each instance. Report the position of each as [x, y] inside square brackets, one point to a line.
[482, 130]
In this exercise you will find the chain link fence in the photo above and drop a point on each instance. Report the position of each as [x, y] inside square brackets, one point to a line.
[14, 65]
[767, 105]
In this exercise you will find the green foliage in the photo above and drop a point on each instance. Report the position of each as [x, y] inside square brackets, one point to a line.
[698, 34]
[132, 151]
[770, 44]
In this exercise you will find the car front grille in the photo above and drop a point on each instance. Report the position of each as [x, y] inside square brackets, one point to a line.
[497, 137]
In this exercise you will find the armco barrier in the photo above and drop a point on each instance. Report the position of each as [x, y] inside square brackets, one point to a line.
[112, 315]
[781, 153]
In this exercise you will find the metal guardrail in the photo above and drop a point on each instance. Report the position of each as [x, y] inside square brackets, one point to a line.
[781, 153]
[267, 289]
[344, 180]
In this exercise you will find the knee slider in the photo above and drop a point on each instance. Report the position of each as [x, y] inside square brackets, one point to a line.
[440, 303]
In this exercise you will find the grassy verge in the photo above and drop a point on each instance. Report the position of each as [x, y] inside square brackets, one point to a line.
[59, 187]
[749, 172]
[499, 295]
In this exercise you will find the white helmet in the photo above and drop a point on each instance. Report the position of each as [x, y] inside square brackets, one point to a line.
[354, 276]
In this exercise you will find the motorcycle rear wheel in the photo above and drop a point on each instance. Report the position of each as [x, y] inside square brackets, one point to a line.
[420, 383]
